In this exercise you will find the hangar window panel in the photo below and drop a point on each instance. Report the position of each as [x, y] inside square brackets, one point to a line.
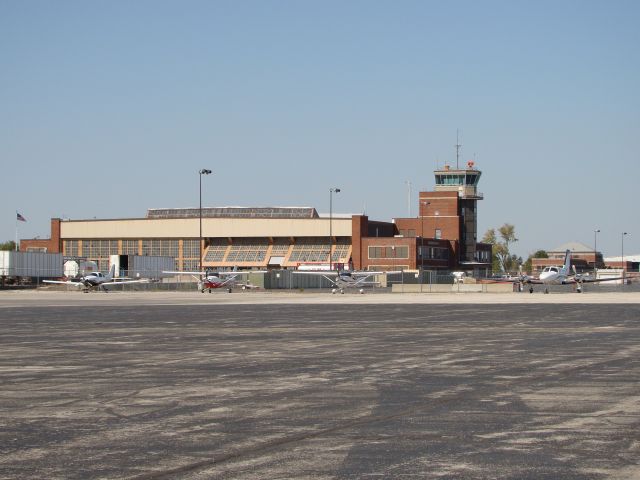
[191, 265]
[215, 253]
[70, 248]
[252, 250]
[161, 247]
[280, 247]
[341, 253]
[309, 250]
[146, 247]
[100, 248]
[191, 248]
[130, 247]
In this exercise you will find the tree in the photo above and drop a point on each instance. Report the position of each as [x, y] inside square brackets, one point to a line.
[503, 260]
[538, 254]
[10, 245]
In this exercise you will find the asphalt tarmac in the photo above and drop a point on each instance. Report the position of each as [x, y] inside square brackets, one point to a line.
[116, 386]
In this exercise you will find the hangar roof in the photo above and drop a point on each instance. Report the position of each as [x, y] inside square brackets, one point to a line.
[234, 212]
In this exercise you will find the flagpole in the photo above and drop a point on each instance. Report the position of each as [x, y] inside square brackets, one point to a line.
[16, 230]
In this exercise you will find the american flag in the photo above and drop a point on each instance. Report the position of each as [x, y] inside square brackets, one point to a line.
[20, 218]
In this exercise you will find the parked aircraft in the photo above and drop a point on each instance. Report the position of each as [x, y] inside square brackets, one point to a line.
[560, 276]
[343, 279]
[213, 280]
[97, 280]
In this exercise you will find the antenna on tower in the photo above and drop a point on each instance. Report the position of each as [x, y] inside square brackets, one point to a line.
[408, 182]
[458, 145]
[457, 149]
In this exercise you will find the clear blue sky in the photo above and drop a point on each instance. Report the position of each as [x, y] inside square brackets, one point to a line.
[109, 108]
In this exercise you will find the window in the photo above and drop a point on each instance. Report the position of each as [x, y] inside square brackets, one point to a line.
[438, 234]
[389, 252]
[130, 247]
[310, 250]
[70, 248]
[253, 250]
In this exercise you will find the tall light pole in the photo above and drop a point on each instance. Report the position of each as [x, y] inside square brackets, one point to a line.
[622, 251]
[331, 191]
[204, 171]
[424, 204]
[595, 251]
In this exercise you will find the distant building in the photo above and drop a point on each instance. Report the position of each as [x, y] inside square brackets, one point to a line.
[583, 257]
[631, 263]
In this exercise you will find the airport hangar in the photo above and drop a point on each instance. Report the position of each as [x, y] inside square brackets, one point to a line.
[442, 237]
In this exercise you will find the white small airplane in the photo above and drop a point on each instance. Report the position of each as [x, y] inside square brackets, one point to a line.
[560, 276]
[212, 280]
[97, 280]
[345, 279]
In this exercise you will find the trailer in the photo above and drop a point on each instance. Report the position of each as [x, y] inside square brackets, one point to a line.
[29, 267]
[142, 266]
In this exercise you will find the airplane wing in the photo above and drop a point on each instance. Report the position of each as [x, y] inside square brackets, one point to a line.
[183, 272]
[332, 273]
[121, 282]
[595, 280]
[219, 274]
[68, 282]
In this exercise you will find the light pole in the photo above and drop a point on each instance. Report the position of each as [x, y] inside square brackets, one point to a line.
[204, 171]
[331, 191]
[595, 251]
[622, 251]
[424, 204]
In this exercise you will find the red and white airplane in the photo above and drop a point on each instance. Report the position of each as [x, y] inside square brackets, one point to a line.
[560, 276]
[209, 280]
[97, 280]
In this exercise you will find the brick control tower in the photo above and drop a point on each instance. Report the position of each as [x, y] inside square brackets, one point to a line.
[461, 185]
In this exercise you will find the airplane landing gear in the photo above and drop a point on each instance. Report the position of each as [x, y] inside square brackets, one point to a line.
[333, 290]
[342, 291]
[530, 289]
[546, 290]
[229, 290]
[361, 290]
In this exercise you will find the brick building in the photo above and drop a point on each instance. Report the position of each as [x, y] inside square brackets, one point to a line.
[442, 237]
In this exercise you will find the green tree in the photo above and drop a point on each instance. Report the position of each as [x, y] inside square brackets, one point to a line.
[538, 254]
[503, 260]
[10, 245]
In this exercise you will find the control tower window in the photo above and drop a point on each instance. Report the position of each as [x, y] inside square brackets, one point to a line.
[449, 179]
[472, 179]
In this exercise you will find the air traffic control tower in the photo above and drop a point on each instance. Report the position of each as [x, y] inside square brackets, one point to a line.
[455, 197]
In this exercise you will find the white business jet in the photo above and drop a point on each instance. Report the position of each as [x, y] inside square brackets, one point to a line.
[560, 276]
[97, 280]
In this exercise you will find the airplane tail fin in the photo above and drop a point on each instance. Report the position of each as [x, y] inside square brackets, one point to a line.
[566, 269]
[112, 271]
